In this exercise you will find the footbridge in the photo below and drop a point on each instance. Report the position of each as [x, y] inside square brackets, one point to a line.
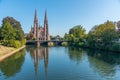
[45, 42]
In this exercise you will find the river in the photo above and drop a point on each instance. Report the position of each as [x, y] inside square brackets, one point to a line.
[61, 63]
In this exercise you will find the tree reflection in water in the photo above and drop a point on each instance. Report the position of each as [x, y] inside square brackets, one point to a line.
[103, 62]
[12, 65]
[76, 54]
[91, 64]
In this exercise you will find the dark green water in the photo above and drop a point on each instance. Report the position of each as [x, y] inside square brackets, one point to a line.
[61, 63]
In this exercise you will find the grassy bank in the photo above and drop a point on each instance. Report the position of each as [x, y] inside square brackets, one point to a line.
[5, 52]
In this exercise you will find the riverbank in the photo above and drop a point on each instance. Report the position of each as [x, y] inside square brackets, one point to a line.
[9, 52]
[4, 50]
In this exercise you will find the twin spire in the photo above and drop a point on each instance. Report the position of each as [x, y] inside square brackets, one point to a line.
[40, 33]
[36, 17]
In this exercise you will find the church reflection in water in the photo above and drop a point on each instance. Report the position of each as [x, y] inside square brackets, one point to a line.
[39, 54]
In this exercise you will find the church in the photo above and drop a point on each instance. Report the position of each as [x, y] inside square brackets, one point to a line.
[39, 32]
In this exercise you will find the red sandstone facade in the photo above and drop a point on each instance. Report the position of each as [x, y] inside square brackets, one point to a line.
[39, 32]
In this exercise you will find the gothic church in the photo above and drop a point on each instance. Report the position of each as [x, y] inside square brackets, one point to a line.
[39, 32]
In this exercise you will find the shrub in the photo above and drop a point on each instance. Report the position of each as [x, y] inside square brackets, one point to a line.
[17, 44]
[11, 43]
[81, 44]
[64, 44]
[4, 42]
[115, 47]
[23, 41]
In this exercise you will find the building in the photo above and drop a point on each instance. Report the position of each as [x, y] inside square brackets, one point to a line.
[39, 32]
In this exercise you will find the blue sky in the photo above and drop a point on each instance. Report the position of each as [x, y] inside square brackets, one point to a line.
[62, 14]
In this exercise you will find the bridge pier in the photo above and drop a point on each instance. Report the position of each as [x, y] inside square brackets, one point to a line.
[38, 44]
[50, 44]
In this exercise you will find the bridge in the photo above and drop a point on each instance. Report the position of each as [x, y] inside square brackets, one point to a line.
[45, 42]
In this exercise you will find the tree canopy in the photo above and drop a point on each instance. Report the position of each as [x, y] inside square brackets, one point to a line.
[103, 35]
[11, 33]
[7, 32]
[76, 35]
[15, 24]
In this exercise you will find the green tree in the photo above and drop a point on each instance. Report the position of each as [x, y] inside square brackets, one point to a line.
[76, 36]
[7, 32]
[11, 33]
[19, 35]
[68, 37]
[30, 36]
[16, 25]
[102, 36]
[78, 31]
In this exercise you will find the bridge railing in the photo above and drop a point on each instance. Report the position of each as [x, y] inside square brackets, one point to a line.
[47, 41]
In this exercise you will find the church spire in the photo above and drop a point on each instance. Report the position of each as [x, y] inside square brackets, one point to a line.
[46, 19]
[35, 25]
[35, 17]
[46, 27]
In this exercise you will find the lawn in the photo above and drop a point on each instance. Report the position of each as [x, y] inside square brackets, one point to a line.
[5, 50]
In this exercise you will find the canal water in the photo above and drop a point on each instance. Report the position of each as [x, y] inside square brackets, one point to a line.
[61, 63]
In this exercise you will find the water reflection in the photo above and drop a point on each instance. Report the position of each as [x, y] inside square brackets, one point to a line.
[12, 65]
[104, 62]
[75, 54]
[61, 61]
[38, 54]
[108, 57]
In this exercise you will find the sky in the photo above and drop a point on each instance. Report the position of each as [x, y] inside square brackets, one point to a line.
[62, 14]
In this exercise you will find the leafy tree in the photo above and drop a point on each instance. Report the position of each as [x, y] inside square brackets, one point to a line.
[66, 36]
[57, 37]
[16, 25]
[30, 36]
[7, 32]
[103, 35]
[11, 33]
[19, 35]
[76, 36]
[52, 37]
[78, 31]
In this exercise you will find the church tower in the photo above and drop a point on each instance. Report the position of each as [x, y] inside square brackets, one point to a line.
[39, 32]
[35, 32]
[46, 33]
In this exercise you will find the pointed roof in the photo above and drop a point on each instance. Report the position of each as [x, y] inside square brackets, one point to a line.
[45, 19]
[35, 17]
